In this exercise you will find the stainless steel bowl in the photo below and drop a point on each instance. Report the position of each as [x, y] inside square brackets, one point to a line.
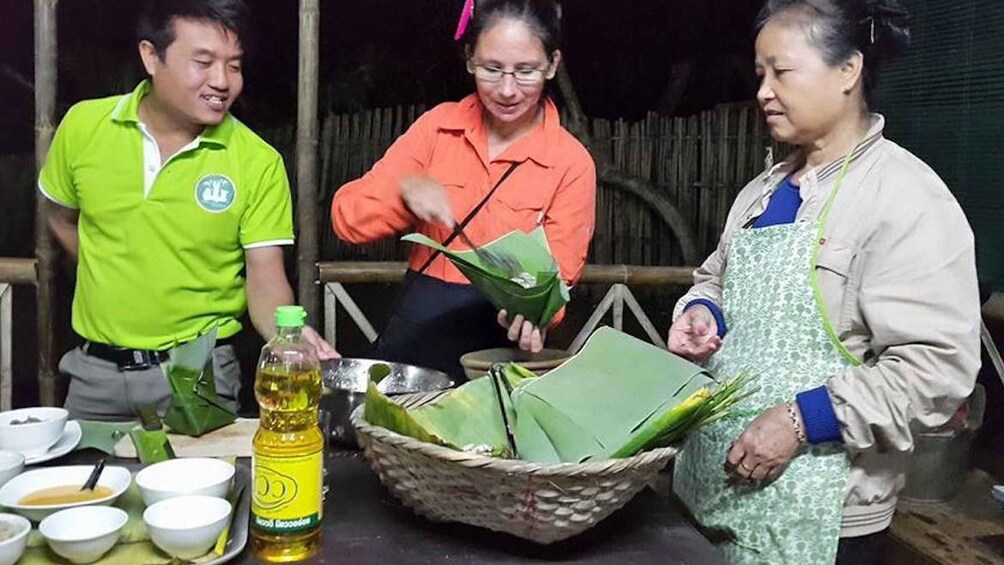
[345, 388]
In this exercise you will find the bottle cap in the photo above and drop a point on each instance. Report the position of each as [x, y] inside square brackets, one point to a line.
[290, 316]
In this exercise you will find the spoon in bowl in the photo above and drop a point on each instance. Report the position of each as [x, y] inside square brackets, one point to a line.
[92, 481]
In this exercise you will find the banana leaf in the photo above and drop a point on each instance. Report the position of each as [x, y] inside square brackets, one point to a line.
[613, 391]
[538, 303]
[469, 416]
[195, 408]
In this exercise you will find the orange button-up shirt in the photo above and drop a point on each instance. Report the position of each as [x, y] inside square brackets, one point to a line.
[554, 186]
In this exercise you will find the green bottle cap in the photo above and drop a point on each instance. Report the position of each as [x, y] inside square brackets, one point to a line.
[290, 316]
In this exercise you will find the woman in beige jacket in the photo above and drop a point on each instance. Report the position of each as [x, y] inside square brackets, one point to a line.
[845, 278]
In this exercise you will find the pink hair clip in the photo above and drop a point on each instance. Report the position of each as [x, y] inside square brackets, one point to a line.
[465, 18]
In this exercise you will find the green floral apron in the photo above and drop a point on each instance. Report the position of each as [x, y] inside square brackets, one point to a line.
[779, 329]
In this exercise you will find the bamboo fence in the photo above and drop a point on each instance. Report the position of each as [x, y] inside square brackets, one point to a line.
[700, 162]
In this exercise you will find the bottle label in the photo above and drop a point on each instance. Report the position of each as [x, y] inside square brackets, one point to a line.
[287, 493]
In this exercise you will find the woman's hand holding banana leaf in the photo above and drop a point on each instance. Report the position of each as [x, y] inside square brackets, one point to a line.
[528, 336]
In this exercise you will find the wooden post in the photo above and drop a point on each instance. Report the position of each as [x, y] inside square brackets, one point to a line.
[6, 370]
[306, 159]
[46, 66]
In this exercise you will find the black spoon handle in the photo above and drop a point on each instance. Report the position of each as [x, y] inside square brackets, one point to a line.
[92, 481]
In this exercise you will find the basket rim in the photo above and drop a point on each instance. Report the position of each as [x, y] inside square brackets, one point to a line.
[475, 460]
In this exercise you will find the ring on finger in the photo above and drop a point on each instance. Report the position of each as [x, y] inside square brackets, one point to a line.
[745, 468]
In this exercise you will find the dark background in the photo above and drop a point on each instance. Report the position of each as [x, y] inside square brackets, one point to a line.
[380, 53]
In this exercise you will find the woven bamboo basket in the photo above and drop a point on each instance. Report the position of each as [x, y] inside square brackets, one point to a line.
[542, 503]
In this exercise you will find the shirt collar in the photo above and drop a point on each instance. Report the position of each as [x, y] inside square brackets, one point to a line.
[127, 112]
[824, 172]
[467, 116]
[811, 181]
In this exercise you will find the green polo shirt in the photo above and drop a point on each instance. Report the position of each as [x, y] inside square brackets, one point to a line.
[162, 257]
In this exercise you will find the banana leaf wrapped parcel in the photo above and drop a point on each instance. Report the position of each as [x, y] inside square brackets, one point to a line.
[617, 397]
[195, 408]
[537, 292]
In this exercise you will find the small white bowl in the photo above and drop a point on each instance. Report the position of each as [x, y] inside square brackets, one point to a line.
[115, 478]
[83, 534]
[12, 547]
[186, 527]
[11, 465]
[34, 438]
[184, 477]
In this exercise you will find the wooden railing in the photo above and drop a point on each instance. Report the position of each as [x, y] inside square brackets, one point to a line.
[334, 275]
[12, 272]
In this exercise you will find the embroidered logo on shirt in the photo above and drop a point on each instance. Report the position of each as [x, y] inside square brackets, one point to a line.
[215, 193]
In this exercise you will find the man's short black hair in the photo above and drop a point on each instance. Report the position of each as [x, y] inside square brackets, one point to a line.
[156, 21]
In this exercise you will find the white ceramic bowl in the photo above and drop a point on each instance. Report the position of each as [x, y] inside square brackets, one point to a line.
[33, 438]
[186, 527]
[83, 534]
[11, 465]
[12, 547]
[115, 478]
[183, 477]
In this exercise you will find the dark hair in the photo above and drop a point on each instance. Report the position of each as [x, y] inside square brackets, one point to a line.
[879, 29]
[156, 21]
[543, 17]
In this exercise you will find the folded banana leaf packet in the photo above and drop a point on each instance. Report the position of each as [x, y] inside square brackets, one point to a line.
[195, 407]
[617, 397]
[537, 295]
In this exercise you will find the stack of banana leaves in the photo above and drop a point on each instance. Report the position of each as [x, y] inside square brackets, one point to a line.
[617, 397]
[533, 289]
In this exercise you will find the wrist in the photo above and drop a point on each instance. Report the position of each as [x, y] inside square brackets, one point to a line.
[714, 310]
[797, 425]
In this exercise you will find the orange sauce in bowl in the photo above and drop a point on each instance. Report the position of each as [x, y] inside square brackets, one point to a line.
[65, 494]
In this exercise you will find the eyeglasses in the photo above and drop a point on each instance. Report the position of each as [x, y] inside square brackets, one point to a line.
[524, 77]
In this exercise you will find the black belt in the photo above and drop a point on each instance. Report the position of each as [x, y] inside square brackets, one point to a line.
[133, 359]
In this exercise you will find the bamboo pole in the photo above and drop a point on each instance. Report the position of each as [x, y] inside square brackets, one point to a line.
[46, 67]
[364, 272]
[306, 158]
[18, 271]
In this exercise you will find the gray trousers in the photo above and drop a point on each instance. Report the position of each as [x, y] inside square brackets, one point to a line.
[99, 390]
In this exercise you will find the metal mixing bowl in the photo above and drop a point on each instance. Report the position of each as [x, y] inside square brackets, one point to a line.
[345, 388]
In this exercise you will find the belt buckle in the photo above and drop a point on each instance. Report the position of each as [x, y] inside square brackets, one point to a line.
[140, 361]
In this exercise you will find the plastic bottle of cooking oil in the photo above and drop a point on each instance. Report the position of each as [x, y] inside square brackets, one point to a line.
[288, 446]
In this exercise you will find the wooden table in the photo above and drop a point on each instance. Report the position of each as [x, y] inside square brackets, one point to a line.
[363, 523]
[966, 530]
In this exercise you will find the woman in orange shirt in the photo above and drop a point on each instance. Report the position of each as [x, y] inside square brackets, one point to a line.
[505, 137]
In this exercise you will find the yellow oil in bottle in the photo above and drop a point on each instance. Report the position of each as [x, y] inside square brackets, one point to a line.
[288, 446]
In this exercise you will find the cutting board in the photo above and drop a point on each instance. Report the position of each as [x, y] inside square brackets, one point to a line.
[229, 441]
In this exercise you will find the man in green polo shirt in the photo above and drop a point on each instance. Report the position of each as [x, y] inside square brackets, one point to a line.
[176, 213]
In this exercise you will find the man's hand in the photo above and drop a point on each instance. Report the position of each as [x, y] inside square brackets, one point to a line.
[324, 350]
[764, 450]
[427, 199]
[267, 289]
[694, 335]
[528, 336]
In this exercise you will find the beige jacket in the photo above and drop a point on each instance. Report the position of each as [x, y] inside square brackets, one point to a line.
[897, 276]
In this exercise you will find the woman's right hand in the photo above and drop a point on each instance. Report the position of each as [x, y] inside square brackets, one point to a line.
[427, 199]
[694, 335]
